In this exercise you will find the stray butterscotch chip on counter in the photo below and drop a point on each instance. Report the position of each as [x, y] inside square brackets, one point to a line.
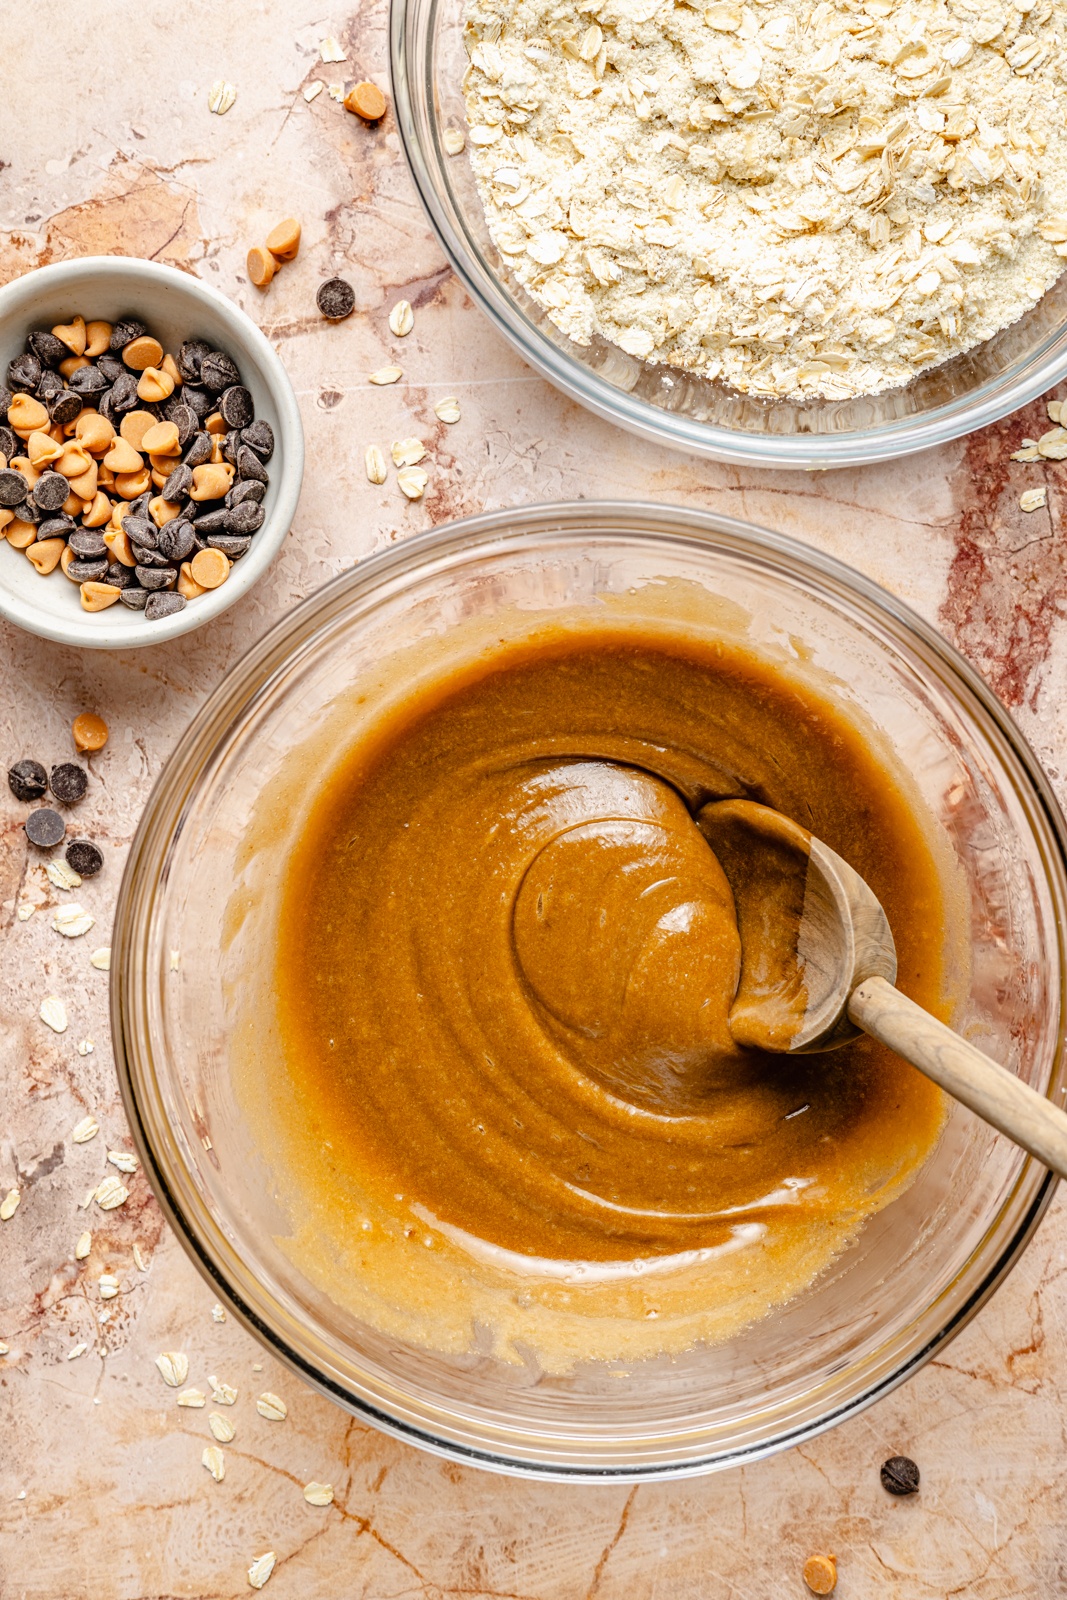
[283, 241]
[366, 100]
[820, 1574]
[261, 266]
[90, 731]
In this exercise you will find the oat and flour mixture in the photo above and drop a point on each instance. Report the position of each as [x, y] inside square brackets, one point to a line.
[800, 199]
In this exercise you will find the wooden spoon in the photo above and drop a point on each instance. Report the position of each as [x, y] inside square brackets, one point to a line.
[818, 965]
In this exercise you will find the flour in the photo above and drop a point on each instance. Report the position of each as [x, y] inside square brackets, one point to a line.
[798, 199]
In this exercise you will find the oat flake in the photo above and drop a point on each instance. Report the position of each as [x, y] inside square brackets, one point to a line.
[407, 452]
[223, 1394]
[101, 958]
[9, 1205]
[139, 1260]
[447, 409]
[377, 467]
[123, 1160]
[221, 97]
[331, 50]
[312, 91]
[386, 375]
[270, 1406]
[192, 1398]
[1033, 499]
[454, 141]
[218, 1313]
[78, 1350]
[62, 876]
[221, 1427]
[110, 1194]
[318, 1494]
[412, 482]
[83, 1246]
[108, 1285]
[174, 1366]
[85, 1047]
[54, 1013]
[261, 1569]
[87, 1129]
[215, 1462]
[401, 319]
[72, 920]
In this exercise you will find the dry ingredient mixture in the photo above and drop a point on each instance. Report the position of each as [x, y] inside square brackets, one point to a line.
[505, 958]
[799, 199]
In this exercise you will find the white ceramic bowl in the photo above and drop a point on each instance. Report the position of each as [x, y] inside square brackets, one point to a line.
[174, 307]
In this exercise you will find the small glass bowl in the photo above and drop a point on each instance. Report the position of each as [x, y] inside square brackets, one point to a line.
[670, 406]
[194, 931]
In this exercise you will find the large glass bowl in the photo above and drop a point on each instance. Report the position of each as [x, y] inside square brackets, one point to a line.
[673, 407]
[193, 936]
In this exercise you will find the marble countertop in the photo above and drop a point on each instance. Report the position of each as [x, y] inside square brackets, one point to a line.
[102, 1494]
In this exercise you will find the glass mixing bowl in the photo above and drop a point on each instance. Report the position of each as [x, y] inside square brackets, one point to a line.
[676, 408]
[193, 935]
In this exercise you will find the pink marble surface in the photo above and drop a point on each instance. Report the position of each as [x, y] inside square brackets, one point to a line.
[102, 1495]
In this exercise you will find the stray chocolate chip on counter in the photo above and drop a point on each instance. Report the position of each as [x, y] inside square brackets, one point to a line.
[84, 857]
[820, 1574]
[336, 299]
[27, 780]
[900, 1475]
[45, 827]
[68, 782]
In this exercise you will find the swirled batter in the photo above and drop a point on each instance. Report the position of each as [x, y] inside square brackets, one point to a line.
[506, 961]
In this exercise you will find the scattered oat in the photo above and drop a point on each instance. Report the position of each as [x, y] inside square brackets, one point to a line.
[85, 1047]
[1033, 499]
[87, 1201]
[377, 470]
[223, 1394]
[412, 481]
[385, 375]
[109, 1286]
[174, 1366]
[408, 452]
[268, 1405]
[4, 1349]
[25, 911]
[215, 1462]
[1055, 410]
[123, 1160]
[83, 1246]
[221, 97]
[9, 1205]
[175, 960]
[401, 318]
[111, 1193]
[330, 50]
[54, 1013]
[87, 1129]
[312, 91]
[218, 1313]
[1053, 444]
[62, 876]
[1029, 452]
[72, 920]
[337, 92]
[318, 1494]
[261, 1569]
[138, 1257]
[221, 1427]
[79, 1350]
[101, 958]
[447, 409]
[192, 1398]
[453, 141]
[257, 1366]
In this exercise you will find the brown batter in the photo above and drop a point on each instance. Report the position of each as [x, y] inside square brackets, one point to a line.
[506, 959]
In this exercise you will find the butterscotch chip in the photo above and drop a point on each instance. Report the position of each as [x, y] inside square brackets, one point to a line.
[283, 241]
[93, 432]
[123, 456]
[25, 415]
[97, 338]
[161, 439]
[188, 587]
[98, 596]
[20, 534]
[170, 367]
[45, 554]
[209, 568]
[820, 1574]
[142, 353]
[73, 505]
[134, 426]
[162, 511]
[154, 384]
[216, 423]
[131, 484]
[99, 512]
[261, 266]
[65, 563]
[366, 100]
[42, 448]
[118, 543]
[211, 481]
[72, 365]
[72, 334]
[84, 485]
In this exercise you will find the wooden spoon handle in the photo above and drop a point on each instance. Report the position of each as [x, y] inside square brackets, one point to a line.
[994, 1093]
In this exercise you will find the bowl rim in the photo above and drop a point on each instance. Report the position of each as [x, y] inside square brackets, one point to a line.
[245, 687]
[94, 630]
[992, 400]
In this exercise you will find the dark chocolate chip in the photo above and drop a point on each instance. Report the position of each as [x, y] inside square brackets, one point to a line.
[91, 570]
[50, 491]
[27, 780]
[250, 466]
[199, 450]
[236, 406]
[10, 443]
[218, 372]
[148, 556]
[49, 350]
[51, 384]
[86, 542]
[178, 484]
[245, 518]
[185, 420]
[124, 392]
[212, 521]
[139, 507]
[84, 857]
[246, 489]
[231, 443]
[110, 366]
[230, 545]
[45, 827]
[135, 599]
[6, 398]
[12, 487]
[199, 401]
[156, 577]
[88, 381]
[336, 299]
[900, 1475]
[125, 332]
[29, 512]
[24, 373]
[140, 530]
[177, 539]
[259, 436]
[68, 782]
[190, 356]
[118, 576]
[163, 605]
[64, 407]
[56, 527]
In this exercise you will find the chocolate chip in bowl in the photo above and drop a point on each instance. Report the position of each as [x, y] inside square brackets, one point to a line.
[139, 412]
